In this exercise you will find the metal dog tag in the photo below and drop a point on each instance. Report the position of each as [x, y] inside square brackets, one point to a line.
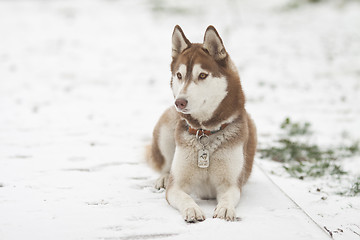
[203, 158]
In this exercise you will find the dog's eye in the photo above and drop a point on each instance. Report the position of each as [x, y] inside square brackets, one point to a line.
[202, 75]
[179, 76]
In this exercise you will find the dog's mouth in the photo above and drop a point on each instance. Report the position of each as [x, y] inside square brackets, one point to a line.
[184, 111]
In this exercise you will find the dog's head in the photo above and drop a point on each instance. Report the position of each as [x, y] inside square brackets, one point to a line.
[204, 81]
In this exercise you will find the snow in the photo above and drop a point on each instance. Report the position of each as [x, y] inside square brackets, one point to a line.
[82, 83]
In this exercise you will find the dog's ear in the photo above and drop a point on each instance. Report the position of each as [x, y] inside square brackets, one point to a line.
[213, 44]
[179, 41]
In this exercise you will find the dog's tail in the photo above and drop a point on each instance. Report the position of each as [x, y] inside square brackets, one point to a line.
[148, 154]
[153, 157]
[250, 149]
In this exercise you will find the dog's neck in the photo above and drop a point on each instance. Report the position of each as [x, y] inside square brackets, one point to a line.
[213, 126]
[200, 132]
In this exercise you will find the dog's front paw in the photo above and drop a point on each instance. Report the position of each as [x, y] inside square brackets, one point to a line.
[193, 215]
[227, 213]
[162, 181]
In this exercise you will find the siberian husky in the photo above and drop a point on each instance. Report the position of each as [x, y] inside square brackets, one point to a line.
[204, 144]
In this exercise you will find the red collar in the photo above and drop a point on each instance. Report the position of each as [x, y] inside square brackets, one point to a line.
[200, 132]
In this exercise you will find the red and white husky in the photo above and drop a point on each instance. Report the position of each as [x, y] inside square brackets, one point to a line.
[206, 143]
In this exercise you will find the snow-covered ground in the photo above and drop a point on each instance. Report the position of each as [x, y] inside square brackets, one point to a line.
[82, 84]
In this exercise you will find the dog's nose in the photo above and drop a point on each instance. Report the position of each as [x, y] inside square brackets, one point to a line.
[181, 103]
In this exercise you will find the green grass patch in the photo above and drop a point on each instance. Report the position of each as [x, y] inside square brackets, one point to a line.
[302, 159]
[295, 128]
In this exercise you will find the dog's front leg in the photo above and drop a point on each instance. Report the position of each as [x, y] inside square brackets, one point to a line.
[182, 201]
[227, 198]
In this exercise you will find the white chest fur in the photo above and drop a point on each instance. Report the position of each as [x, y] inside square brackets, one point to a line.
[225, 166]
